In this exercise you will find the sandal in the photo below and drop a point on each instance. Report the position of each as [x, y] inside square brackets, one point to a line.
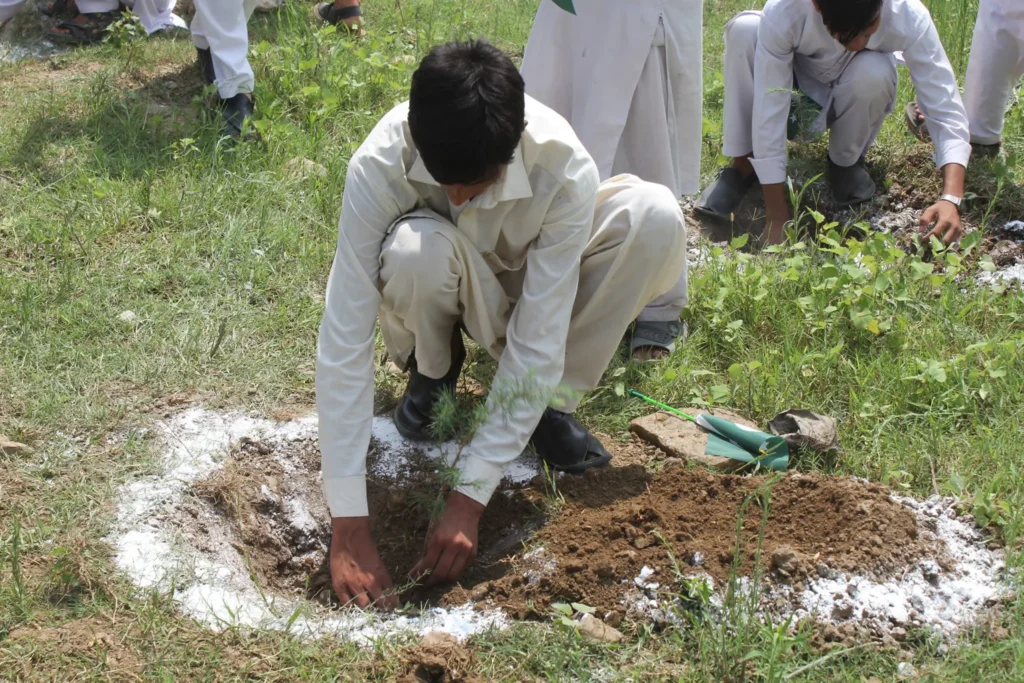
[565, 445]
[917, 125]
[328, 13]
[657, 335]
[54, 8]
[92, 30]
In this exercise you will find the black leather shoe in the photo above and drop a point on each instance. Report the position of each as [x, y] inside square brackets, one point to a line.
[851, 185]
[236, 110]
[720, 198]
[415, 410]
[204, 60]
[566, 445]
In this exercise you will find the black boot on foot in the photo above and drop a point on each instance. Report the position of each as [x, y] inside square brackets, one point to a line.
[236, 110]
[204, 60]
[415, 410]
[566, 445]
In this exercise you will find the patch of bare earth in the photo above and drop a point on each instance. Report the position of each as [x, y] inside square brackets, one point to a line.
[80, 643]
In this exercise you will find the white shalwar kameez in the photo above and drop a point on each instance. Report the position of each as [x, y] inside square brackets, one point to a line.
[154, 15]
[995, 66]
[545, 269]
[765, 51]
[222, 27]
[628, 77]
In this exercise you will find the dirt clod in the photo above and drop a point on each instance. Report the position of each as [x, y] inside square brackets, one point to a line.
[438, 658]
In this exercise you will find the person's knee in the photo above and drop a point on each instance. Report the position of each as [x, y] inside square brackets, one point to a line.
[661, 227]
[420, 256]
[741, 33]
[871, 75]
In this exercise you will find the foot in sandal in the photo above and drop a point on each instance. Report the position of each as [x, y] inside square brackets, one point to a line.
[83, 29]
[348, 13]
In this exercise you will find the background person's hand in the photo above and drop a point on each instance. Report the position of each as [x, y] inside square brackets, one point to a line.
[452, 545]
[357, 573]
[944, 220]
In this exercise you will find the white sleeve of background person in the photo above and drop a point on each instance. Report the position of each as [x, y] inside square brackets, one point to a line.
[344, 365]
[938, 97]
[8, 8]
[534, 355]
[773, 86]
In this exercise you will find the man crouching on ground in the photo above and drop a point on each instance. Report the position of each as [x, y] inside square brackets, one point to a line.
[473, 206]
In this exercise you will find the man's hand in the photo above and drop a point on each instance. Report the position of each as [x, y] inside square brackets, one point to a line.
[357, 574]
[776, 210]
[452, 544]
[945, 218]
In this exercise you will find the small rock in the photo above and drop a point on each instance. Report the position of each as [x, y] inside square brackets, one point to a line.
[898, 634]
[574, 566]
[594, 628]
[128, 317]
[784, 559]
[842, 613]
[300, 167]
[480, 593]
[613, 619]
[641, 542]
[695, 559]
[605, 572]
[8, 447]
[157, 109]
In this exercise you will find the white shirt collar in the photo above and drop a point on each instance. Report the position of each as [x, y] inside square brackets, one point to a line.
[513, 184]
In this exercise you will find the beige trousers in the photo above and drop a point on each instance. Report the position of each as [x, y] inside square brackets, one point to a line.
[432, 278]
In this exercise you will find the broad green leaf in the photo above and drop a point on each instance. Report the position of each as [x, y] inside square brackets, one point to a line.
[562, 607]
[566, 5]
[740, 241]
[736, 370]
[583, 609]
[872, 327]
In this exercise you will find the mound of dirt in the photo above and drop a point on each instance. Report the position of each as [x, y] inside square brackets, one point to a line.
[617, 521]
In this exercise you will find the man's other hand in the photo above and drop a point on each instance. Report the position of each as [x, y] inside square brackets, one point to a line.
[357, 573]
[944, 220]
[453, 543]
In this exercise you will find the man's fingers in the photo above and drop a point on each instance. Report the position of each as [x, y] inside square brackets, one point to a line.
[362, 597]
[427, 562]
[952, 235]
[927, 217]
[442, 572]
[460, 564]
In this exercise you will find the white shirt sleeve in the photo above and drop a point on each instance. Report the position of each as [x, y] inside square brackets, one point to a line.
[534, 356]
[773, 89]
[938, 97]
[344, 365]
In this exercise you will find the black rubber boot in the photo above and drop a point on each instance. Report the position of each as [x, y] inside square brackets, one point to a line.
[204, 60]
[236, 110]
[851, 185]
[566, 445]
[720, 198]
[415, 410]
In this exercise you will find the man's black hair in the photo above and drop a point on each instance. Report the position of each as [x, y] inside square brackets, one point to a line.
[847, 19]
[466, 111]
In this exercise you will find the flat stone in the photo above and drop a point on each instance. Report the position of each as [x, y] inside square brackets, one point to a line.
[680, 438]
[593, 627]
[300, 167]
[8, 447]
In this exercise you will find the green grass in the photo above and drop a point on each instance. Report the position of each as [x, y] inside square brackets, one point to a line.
[223, 257]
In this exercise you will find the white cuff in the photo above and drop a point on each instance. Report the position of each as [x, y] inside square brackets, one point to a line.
[771, 170]
[953, 152]
[480, 478]
[346, 496]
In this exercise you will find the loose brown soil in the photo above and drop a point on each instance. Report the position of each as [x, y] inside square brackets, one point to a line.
[587, 548]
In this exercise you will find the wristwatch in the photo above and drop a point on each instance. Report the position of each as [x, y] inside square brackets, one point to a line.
[952, 199]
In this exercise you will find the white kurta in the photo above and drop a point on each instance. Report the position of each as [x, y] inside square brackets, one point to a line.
[546, 268]
[792, 38]
[603, 67]
[995, 66]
